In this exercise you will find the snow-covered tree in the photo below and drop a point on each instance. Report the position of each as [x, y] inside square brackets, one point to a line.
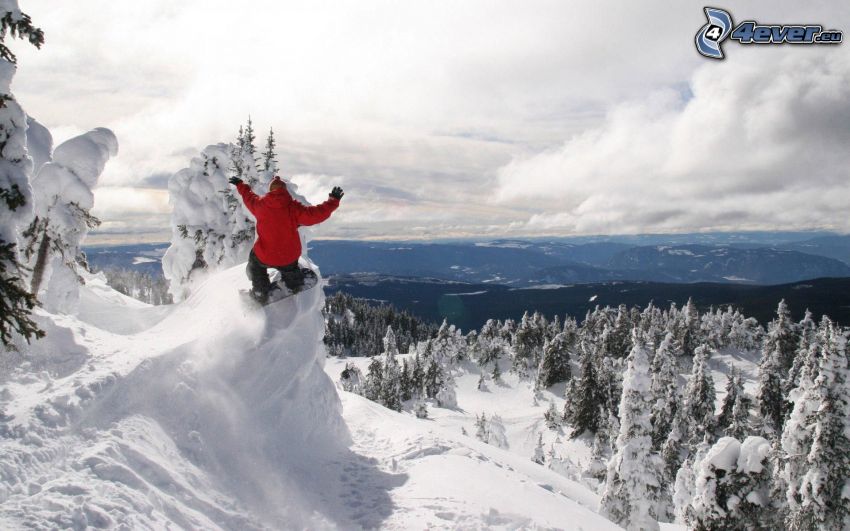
[63, 198]
[390, 395]
[585, 397]
[16, 168]
[665, 389]
[208, 222]
[496, 432]
[373, 384]
[731, 486]
[775, 366]
[825, 487]
[633, 493]
[269, 160]
[699, 397]
[528, 344]
[555, 363]
[688, 334]
[807, 330]
[351, 379]
[735, 397]
[539, 456]
[552, 418]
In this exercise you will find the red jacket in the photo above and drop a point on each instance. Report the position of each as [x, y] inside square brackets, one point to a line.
[278, 218]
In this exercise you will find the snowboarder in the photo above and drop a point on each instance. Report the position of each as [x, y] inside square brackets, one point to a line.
[278, 245]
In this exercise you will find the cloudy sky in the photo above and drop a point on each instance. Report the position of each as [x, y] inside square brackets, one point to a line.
[451, 119]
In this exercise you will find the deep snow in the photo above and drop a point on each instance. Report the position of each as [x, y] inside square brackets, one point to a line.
[208, 414]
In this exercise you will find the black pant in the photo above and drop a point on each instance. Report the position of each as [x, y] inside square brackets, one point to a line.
[291, 275]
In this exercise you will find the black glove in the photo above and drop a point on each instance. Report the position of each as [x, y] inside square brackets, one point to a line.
[235, 180]
[337, 193]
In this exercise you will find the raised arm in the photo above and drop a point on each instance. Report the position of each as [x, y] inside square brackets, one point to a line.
[310, 215]
[248, 195]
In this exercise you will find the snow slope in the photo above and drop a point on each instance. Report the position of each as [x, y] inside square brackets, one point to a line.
[209, 414]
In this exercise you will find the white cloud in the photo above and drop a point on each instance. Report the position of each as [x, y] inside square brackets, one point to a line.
[415, 105]
[762, 144]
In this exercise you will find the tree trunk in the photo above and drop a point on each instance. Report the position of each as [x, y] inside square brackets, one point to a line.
[40, 263]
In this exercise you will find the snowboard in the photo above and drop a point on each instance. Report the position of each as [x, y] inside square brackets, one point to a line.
[279, 291]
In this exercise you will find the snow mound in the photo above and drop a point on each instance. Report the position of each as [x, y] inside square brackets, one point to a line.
[208, 414]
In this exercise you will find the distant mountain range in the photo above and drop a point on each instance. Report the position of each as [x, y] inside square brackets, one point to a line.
[733, 259]
[470, 305]
[469, 282]
[529, 263]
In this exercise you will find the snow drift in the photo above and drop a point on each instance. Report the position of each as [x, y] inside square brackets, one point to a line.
[205, 415]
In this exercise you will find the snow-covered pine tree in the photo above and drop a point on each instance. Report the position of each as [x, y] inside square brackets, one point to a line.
[539, 456]
[699, 399]
[417, 377]
[731, 486]
[825, 486]
[734, 388]
[405, 382]
[673, 451]
[481, 427]
[807, 330]
[633, 495]
[16, 303]
[527, 342]
[373, 384]
[775, 367]
[739, 423]
[63, 199]
[496, 432]
[664, 390]
[797, 434]
[585, 397]
[390, 395]
[351, 379]
[618, 344]
[490, 346]
[203, 222]
[555, 363]
[552, 418]
[269, 160]
[689, 330]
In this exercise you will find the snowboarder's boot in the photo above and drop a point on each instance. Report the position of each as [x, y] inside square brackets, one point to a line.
[260, 296]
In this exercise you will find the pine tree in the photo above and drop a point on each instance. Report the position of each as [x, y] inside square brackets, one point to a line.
[769, 396]
[633, 489]
[555, 363]
[734, 393]
[539, 457]
[497, 372]
[528, 341]
[481, 428]
[797, 436]
[63, 199]
[731, 486]
[405, 382]
[390, 395]
[824, 487]
[552, 418]
[699, 399]
[689, 333]
[807, 331]
[374, 380]
[269, 160]
[664, 390]
[417, 377]
[739, 423]
[585, 398]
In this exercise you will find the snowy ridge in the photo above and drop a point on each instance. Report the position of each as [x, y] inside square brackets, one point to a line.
[194, 419]
[210, 415]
